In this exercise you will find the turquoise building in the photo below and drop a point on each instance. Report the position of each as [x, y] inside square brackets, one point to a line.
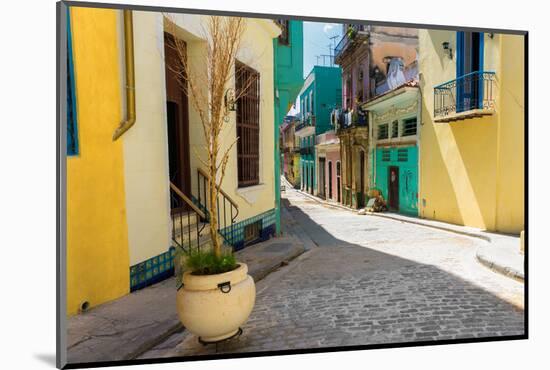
[288, 51]
[394, 117]
[320, 94]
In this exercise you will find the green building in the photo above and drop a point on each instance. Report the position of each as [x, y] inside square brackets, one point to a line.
[289, 60]
[320, 94]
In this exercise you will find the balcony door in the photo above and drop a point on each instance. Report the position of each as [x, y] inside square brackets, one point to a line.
[469, 59]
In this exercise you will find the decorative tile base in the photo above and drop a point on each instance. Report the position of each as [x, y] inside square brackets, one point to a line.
[153, 270]
[234, 234]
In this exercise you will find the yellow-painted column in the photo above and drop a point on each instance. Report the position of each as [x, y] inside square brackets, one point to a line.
[97, 240]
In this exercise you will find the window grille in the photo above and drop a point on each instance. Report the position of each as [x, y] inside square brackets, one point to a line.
[409, 127]
[247, 86]
[383, 131]
[395, 129]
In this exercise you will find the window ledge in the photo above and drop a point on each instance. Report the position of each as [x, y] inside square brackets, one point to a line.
[251, 193]
[473, 113]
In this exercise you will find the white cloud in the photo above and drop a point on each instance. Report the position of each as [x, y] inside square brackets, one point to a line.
[328, 27]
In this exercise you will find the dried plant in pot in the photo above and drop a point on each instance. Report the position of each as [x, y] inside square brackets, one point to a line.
[217, 294]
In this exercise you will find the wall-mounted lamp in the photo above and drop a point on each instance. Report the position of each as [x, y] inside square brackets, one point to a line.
[447, 49]
[491, 35]
[229, 100]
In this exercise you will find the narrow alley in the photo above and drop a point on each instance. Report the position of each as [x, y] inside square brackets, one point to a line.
[369, 280]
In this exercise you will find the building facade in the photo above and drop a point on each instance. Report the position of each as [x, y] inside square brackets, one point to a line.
[289, 60]
[327, 158]
[121, 231]
[394, 147]
[319, 95]
[375, 61]
[472, 133]
[291, 151]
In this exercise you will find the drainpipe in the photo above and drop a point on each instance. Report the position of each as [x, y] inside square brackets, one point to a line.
[130, 77]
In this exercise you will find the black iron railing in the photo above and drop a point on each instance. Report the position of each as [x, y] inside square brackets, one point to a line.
[471, 91]
[227, 209]
[306, 151]
[306, 122]
[347, 39]
[186, 225]
[358, 118]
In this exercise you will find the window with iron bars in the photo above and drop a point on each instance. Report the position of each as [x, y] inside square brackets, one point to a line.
[247, 87]
[395, 129]
[409, 127]
[383, 131]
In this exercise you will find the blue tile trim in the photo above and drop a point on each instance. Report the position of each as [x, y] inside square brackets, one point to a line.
[234, 234]
[153, 270]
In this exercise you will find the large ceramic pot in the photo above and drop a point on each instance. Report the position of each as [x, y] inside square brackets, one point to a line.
[215, 306]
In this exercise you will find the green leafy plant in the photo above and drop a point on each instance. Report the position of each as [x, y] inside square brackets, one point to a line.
[205, 261]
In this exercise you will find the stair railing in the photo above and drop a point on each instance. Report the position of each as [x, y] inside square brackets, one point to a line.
[227, 212]
[178, 215]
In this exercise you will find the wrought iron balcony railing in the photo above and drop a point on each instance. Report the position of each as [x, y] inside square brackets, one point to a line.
[471, 92]
[306, 151]
[308, 121]
[347, 39]
[346, 120]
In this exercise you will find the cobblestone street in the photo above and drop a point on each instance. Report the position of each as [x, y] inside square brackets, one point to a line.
[370, 280]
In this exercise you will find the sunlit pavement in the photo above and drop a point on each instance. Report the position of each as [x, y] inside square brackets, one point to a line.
[370, 280]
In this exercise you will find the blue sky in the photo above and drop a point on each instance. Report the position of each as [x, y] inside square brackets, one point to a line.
[316, 42]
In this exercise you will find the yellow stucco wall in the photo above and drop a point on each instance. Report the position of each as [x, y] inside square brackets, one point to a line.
[511, 172]
[471, 171]
[97, 241]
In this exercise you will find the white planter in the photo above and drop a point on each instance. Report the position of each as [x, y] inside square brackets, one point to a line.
[208, 312]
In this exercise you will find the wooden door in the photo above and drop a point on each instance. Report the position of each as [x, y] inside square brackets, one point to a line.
[330, 180]
[321, 181]
[338, 182]
[177, 109]
[393, 188]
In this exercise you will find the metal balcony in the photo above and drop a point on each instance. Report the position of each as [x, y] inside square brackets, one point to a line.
[349, 39]
[468, 96]
[307, 121]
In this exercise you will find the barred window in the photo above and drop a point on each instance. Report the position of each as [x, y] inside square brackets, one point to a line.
[409, 127]
[383, 131]
[395, 129]
[247, 87]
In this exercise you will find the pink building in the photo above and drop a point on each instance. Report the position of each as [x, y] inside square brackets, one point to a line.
[329, 182]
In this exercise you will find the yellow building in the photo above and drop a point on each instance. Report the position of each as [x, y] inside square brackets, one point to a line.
[97, 232]
[472, 129]
[120, 230]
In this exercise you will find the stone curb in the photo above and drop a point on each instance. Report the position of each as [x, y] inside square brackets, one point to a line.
[438, 227]
[504, 270]
[480, 255]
